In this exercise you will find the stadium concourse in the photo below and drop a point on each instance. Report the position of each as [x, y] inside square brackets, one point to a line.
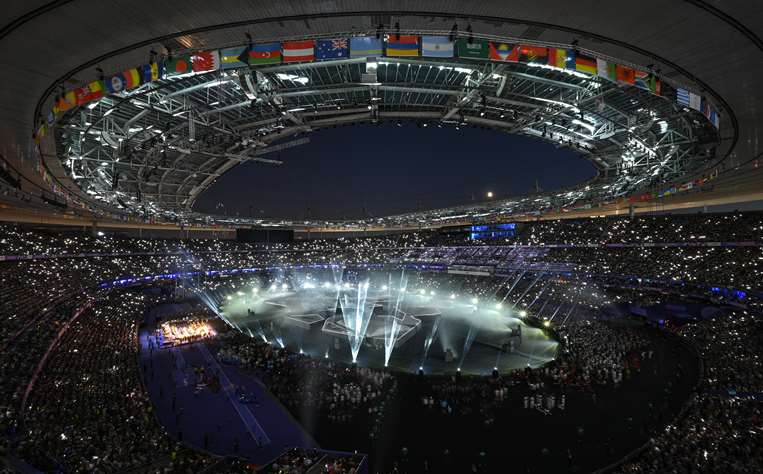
[606, 325]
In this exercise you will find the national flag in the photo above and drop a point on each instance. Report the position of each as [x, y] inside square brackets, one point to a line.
[149, 72]
[179, 65]
[365, 46]
[648, 81]
[705, 107]
[557, 57]
[332, 49]
[625, 74]
[116, 83]
[715, 118]
[40, 133]
[682, 96]
[402, 45]
[298, 51]
[533, 54]
[570, 60]
[584, 63]
[436, 47]
[605, 69]
[132, 78]
[205, 61]
[232, 57]
[695, 101]
[89, 93]
[265, 53]
[474, 49]
[503, 51]
[67, 101]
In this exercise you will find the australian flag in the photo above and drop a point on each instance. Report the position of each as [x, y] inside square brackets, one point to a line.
[332, 49]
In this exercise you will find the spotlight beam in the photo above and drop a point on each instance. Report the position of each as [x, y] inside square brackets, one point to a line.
[428, 341]
[527, 290]
[542, 307]
[538, 296]
[568, 314]
[467, 344]
[390, 334]
[521, 275]
[557, 310]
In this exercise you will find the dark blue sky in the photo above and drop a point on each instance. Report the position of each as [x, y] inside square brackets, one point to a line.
[392, 169]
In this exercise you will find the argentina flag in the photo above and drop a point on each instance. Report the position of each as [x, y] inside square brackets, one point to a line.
[436, 47]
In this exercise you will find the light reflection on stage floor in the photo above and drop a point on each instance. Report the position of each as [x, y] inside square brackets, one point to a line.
[296, 319]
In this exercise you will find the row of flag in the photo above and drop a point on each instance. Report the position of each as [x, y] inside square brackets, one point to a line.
[675, 189]
[363, 47]
[700, 104]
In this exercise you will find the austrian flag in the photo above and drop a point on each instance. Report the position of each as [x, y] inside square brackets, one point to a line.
[298, 51]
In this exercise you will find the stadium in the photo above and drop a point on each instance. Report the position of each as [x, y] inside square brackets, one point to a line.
[381, 237]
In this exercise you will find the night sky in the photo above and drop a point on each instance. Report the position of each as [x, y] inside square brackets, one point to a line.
[389, 169]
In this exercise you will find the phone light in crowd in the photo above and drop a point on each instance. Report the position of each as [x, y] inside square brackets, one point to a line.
[522, 314]
[490, 194]
[547, 323]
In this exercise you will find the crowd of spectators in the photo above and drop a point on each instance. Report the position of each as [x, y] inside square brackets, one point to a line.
[38, 296]
[331, 389]
[721, 429]
[594, 355]
[295, 461]
[734, 267]
[727, 227]
[88, 411]
[312, 461]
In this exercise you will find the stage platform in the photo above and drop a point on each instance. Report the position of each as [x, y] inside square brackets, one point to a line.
[310, 322]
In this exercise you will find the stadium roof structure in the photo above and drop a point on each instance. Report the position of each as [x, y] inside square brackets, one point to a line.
[153, 149]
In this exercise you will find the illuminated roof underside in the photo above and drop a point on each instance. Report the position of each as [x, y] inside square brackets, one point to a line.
[155, 149]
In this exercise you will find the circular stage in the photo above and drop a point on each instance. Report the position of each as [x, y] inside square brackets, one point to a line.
[404, 331]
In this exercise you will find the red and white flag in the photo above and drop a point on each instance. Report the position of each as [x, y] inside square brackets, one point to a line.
[204, 61]
[298, 51]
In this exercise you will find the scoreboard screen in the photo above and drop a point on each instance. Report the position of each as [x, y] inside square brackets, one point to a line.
[493, 231]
